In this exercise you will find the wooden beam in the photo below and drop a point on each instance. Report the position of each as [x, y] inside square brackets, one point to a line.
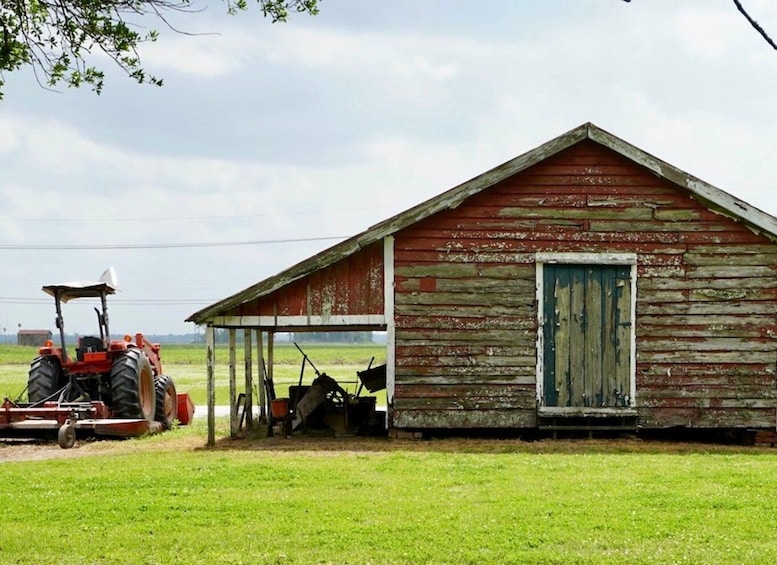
[232, 385]
[211, 386]
[249, 398]
[270, 355]
[262, 390]
[388, 302]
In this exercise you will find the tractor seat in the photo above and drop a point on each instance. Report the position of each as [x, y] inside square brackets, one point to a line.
[88, 344]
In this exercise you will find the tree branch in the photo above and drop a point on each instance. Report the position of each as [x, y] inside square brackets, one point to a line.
[755, 24]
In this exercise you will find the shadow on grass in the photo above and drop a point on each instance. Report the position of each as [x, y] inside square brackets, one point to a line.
[491, 442]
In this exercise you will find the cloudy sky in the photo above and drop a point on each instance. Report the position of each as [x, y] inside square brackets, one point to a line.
[277, 136]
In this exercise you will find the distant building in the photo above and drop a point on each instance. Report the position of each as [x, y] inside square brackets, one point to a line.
[32, 337]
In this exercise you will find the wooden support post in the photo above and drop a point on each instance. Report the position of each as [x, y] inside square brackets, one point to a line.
[210, 341]
[270, 347]
[388, 302]
[232, 385]
[270, 344]
[248, 407]
[262, 389]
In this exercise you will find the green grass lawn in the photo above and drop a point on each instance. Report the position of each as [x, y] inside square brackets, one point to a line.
[186, 364]
[167, 499]
[387, 501]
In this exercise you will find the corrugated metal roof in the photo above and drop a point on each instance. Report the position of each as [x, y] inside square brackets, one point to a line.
[711, 195]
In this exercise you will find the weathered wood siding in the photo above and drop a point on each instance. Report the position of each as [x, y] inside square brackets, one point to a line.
[352, 286]
[466, 312]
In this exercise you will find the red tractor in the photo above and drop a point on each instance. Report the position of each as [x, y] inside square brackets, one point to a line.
[113, 386]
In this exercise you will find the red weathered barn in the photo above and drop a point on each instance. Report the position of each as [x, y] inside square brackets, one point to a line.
[583, 284]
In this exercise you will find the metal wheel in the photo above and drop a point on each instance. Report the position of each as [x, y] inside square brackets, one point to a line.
[66, 437]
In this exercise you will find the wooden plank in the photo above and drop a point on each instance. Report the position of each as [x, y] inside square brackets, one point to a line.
[263, 400]
[249, 377]
[729, 331]
[750, 248]
[445, 362]
[487, 299]
[595, 213]
[452, 230]
[464, 419]
[486, 340]
[232, 385]
[730, 271]
[751, 307]
[705, 357]
[443, 348]
[648, 271]
[735, 391]
[210, 354]
[716, 319]
[610, 379]
[743, 345]
[433, 382]
[578, 382]
[462, 270]
[593, 349]
[464, 323]
[750, 283]
[458, 390]
[710, 402]
[741, 293]
[729, 259]
[648, 226]
[465, 375]
[449, 310]
[561, 338]
[657, 296]
[406, 284]
[707, 372]
[735, 234]
[549, 325]
[706, 418]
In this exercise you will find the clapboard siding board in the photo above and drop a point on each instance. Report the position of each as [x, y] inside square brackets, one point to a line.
[466, 307]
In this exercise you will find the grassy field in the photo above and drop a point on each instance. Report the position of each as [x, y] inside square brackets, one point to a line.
[186, 364]
[164, 499]
[168, 499]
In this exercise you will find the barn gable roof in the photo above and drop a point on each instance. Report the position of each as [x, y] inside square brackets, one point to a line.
[712, 196]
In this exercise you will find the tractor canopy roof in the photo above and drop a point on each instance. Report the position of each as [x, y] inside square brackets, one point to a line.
[82, 289]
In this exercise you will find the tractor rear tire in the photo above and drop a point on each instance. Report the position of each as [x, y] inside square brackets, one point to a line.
[132, 386]
[44, 378]
[166, 401]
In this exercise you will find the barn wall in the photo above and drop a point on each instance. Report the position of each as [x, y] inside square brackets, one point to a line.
[466, 313]
[350, 287]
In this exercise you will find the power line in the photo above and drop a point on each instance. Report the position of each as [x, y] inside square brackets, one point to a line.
[83, 247]
[169, 219]
[116, 301]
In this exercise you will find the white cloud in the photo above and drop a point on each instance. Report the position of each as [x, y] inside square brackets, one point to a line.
[314, 129]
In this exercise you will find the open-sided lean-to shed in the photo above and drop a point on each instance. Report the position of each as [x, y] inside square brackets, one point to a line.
[584, 283]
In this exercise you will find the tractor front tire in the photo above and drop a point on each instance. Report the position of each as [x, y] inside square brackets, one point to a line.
[132, 386]
[166, 401]
[44, 378]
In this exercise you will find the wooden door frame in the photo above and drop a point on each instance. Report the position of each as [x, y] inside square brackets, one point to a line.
[598, 259]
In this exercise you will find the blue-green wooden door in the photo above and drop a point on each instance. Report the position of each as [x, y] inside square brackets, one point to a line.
[587, 335]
